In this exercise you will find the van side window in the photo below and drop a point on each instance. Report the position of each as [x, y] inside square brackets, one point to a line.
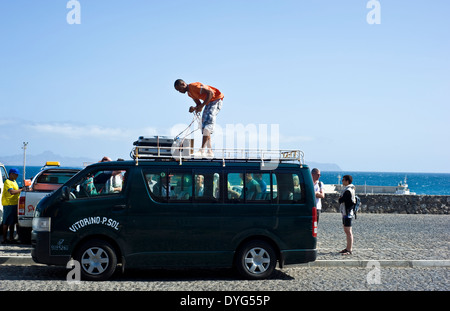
[99, 183]
[235, 185]
[206, 186]
[259, 189]
[158, 182]
[180, 186]
[289, 188]
[254, 187]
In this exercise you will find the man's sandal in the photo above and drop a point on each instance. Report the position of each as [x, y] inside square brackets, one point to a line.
[345, 252]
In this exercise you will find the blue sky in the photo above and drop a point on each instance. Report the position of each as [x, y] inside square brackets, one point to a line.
[366, 97]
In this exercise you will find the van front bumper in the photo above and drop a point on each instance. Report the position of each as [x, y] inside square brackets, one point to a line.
[41, 251]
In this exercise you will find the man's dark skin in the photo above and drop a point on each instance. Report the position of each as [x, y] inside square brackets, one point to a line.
[183, 87]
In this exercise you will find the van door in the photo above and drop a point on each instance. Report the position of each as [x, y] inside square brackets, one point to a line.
[176, 223]
[247, 210]
[97, 205]
[294, 208]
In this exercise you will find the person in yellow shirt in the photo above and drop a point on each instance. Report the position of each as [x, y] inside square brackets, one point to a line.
[10, 200]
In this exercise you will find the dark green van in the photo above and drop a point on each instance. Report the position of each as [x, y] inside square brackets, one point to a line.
[162, 213]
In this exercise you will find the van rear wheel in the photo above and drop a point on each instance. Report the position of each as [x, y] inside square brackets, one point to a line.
[256, 260]
[98, 260]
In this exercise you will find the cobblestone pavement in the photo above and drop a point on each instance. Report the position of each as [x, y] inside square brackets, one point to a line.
[378, 237]
[387, 237]
[42, 278]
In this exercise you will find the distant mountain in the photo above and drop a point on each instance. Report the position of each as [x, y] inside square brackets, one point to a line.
[324, 166]
[40, 159]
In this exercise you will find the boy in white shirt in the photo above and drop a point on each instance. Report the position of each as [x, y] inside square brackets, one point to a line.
[318, 190]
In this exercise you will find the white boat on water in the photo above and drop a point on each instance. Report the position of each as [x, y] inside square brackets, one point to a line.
[402, 188]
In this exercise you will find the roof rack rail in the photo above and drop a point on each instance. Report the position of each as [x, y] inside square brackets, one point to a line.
[181, 154]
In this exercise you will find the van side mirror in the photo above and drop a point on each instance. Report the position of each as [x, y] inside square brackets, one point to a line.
[65, 193]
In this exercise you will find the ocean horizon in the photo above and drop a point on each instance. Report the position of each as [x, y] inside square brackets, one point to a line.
[420, 183]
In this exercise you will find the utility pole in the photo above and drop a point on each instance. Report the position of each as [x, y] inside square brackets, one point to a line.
[24, 159]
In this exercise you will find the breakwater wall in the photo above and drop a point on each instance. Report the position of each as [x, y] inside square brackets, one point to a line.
[393, 203]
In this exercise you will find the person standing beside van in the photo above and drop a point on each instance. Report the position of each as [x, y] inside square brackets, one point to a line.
[347, 201]
[212, 101]
[318, 190]
[10, 200]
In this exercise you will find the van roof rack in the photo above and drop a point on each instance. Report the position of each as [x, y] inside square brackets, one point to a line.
[183, 154]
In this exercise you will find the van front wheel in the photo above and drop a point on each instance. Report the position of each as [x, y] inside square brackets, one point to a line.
[256, 260]
[98, 260]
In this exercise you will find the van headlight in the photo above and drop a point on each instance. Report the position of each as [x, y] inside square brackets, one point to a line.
[41, 224]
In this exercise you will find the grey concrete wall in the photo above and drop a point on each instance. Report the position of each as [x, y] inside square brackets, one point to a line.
[390, 203]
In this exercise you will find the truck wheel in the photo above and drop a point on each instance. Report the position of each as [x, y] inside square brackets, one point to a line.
[98, 260]
[256, 260]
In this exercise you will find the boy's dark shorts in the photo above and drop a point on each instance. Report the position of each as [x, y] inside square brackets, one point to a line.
[9, 214]
[347, 221]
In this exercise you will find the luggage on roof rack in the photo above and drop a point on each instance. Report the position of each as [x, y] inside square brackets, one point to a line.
[156, 145]
[162, 148]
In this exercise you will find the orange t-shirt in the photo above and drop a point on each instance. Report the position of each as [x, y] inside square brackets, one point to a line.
[195, 91]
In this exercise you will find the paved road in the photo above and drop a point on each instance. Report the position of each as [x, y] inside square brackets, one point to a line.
[38, 278]
[401, 244]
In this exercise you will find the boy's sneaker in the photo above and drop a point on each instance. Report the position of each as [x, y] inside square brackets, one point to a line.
[199, 154]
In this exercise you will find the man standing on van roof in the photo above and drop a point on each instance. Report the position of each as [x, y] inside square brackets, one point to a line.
[212, 99]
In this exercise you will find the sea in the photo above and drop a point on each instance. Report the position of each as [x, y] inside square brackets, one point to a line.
[420, 183]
